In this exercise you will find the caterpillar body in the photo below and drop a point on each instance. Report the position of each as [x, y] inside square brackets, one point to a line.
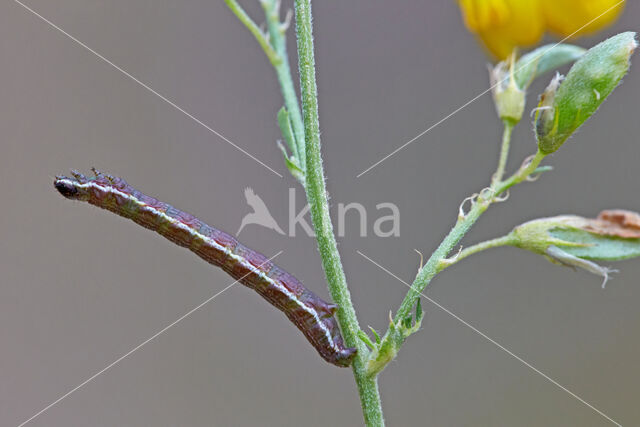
[313, 316]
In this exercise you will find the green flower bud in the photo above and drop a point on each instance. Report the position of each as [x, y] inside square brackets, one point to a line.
[510, 79]
[565, 106]
[576, 241]
[508, 98]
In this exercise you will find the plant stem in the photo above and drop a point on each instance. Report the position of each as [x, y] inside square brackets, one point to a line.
[318, 201]
[433, 265]
[504, 152]
[275, 47]
[255, 30]
[479, 247]
[525, 171]
[283, 71]
[438, 260]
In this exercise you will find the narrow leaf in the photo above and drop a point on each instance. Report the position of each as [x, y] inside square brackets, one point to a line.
[291, 164]
[365, 339]
[408, 321]
[375, 334]
[287, 132]
[544, 59]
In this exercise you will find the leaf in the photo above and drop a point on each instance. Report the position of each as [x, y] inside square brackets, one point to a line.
[598, 247]
[375, 334]
[408, 321]
[419, 312]
[287, 133]
[292, 161]
[544, 59]
[365, 339]
[291, 164]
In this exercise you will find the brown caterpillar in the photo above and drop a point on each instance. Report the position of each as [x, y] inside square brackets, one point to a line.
[313, 316]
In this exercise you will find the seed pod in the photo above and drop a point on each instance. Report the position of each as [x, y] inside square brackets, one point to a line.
[565, 106]
[577, 242]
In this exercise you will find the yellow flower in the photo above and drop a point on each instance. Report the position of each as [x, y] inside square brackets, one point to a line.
[503, 25]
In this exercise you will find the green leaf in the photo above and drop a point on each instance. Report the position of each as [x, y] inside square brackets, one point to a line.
[419, 312]
[287, 133]
[365, 339]
[408, 321]
[375, 334]
[295, 171]
[599, 247]
[544, 59]
[292, 161]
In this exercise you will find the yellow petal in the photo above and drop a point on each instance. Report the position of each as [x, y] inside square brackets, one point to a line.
[500, 47]
[481, 15]
[503, 25]
[570, 17]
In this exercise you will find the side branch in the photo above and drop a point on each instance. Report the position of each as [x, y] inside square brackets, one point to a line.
[260, 36]
[392, 340]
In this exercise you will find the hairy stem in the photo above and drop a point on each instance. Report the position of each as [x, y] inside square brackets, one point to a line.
[438, 260]
[504, 152]
[319, 206]
[528, 169]
[479, 247]
[278, 40]
[433, 265]
[274, 45]
[255, 30]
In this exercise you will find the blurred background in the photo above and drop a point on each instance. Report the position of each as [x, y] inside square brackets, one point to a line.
[81, 287]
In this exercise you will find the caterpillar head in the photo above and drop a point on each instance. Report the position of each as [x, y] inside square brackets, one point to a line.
[72, 188]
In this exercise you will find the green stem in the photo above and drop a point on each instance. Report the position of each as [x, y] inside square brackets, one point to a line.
[275, 47]
[525, 172]
[479, 247]
[255, 30]
[438, 260]
[283, 71]
[433, 265]
[319, 206]
[504, 152]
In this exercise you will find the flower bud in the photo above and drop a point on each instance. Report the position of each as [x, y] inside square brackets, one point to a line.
[576, 241]
[508, 98]
[565, 107]
[510, 78]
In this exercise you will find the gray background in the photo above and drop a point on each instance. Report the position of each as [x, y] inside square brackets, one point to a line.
[80, 287]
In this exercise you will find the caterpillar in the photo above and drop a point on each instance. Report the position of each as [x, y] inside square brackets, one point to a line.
[313, 316]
